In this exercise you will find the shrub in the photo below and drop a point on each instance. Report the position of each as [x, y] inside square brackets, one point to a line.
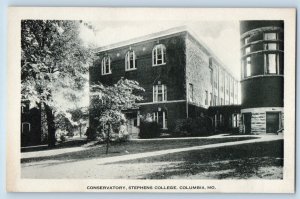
[62, 138]
[199, 126]
[149, 129]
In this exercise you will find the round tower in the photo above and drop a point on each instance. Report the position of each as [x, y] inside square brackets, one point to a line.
[262, 78]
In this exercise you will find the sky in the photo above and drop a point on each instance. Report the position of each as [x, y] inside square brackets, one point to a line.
[222, 37]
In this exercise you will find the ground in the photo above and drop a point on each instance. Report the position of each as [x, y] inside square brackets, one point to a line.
[217, 157]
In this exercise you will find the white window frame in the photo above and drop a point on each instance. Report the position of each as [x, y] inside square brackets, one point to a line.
[156, 49]
[247, 69]
[130, 54]
[266, 56]
[163, 92]
[247, 50]
[106, 62]
[266, 38]
[155, 118]
[27, 123]
[235, 120]
[267, 45]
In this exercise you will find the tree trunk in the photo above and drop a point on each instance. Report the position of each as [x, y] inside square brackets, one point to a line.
[108, 139]
[51, 126]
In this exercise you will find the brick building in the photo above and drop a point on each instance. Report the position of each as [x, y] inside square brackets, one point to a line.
[31, 125]
[262, 46]
[181, 76]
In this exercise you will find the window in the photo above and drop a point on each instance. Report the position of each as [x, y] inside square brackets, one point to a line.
[215, 79]
[159, 55]
[235, 120]
[271, 63]
[221, 83]
[25, 127]
[211, 76]
[247, 67]
[271, 46]
[159, 93]
[247, 50]
[161, 117]
[206, 98]
[246, 40]
[211, 99]
[221, 101]
[130, 61]
[270, 36]
[106, 66]
[191, 92]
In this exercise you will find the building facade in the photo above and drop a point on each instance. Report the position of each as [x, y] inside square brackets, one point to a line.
[180, 75]
[31, 125]
[262, 78]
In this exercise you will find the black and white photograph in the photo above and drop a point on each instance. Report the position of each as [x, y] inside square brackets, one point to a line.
[142, 100]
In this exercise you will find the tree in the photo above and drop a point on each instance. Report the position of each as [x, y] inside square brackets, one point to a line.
[54, 65]
[110, 102]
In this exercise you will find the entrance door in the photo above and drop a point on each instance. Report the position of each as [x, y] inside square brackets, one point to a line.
[247, 122]
[272, 122]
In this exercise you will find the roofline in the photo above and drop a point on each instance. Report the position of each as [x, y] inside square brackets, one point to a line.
[142, 38]
[171, 31]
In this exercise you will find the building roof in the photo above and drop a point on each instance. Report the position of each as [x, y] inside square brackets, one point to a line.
[171, 31]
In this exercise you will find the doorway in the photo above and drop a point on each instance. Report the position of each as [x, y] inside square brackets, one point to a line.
[272, 119]
[247, 122]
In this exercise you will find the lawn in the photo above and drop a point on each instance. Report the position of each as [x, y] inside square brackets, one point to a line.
[262, 160]
[132, 147]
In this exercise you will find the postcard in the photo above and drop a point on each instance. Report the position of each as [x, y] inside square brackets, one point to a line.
[176, 100]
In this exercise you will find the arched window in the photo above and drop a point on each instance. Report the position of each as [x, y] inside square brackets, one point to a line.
[159, 55]
[105, 66]
[130, 60]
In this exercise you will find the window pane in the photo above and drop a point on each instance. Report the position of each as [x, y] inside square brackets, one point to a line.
[247, 50]
[271, 46]
[248, 67]
[270, 36]
[271, 63]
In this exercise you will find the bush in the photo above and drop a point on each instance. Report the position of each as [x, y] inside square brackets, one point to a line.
[62, 138]
[149, 129]
[199, 126]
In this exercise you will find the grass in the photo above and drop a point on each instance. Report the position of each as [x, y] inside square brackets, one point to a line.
[132, 147]
[262, 160]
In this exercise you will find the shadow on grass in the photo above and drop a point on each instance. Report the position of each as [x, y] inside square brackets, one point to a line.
[239, 162]
[133, 147]
[68, 144]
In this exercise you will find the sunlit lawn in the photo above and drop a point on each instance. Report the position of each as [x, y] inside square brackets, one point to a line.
[133, 147]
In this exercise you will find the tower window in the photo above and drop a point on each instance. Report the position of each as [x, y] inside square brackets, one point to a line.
[271, 63]
[247, 67]
[270, 36]
[271, 46]
[247, 50]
